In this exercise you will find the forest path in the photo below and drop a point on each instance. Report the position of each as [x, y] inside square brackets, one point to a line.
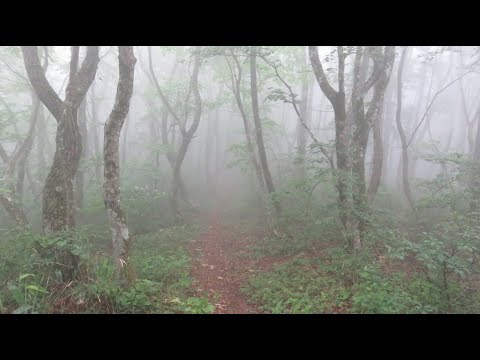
[221, 265]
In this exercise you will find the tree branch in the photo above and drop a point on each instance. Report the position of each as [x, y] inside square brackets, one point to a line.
[159, 90]
[322, 80]
[472, 68]
[39, 82]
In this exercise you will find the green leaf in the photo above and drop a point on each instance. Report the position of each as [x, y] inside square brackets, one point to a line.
[23, 276]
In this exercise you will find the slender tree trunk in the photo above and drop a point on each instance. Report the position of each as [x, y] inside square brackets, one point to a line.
[80, 176]
[176, 159]
[398, 119]
[218, 150]
[9, 198]
[187, 136]
[301, 132]
[258, 131]
[236, 86]
[13, 199]
[27, 148]
[377, 158]
[208, 154]
[113, 126]
[374, 119]
[14, 210]
[41, 149]
[96, 140]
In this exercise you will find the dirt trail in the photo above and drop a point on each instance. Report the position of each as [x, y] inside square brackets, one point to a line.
[221, 267]
[219, 271]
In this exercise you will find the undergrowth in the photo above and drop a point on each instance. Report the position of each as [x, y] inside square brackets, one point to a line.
[32, 275]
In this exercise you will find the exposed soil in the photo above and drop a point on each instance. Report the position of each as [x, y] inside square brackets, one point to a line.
[222, 265]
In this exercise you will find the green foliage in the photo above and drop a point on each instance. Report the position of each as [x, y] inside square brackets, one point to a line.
[339, 281]
[32, 283]
[377, 293]
[25, 292]
[295, 288]
[195, 305]
[241, 157]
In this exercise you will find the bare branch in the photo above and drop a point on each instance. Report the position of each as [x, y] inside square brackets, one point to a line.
[159, 90]
[472, 69]
[297, 111]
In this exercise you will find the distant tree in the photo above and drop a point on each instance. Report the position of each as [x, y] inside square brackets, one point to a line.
[363, 121]
[186, 133]
[15, 164]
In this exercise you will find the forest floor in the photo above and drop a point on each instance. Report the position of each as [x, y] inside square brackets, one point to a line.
[223, 263]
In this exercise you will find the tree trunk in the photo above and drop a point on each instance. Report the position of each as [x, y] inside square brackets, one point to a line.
[14, 210]
[42, 126]
[377, 165]
[125, 142]
[236, 87]
[113, 126]
[58, 202]
[302, 132]
[96, 140]
[208, 154]
[374, 119]
[258, 132]
[8, 198]
[187, 136]
[398, 119]
[13, 199]
[80, 176]
[343, 173]
[27, 148]
[383, 64]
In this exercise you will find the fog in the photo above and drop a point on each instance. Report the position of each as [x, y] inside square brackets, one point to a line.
[363, 151]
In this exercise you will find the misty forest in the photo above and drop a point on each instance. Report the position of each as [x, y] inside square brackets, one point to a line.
[239, 179]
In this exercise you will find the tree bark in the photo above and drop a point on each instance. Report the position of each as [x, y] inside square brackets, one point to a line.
[377, 165]
[80, 176]
[113, 126]
[58, 202]
[125, 142]
[96, 140]
[343, 173]
[373, 116]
